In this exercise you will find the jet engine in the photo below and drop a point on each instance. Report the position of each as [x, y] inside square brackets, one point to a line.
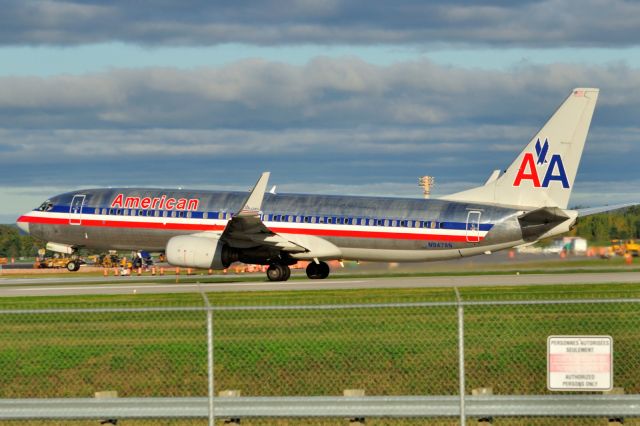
[198, 252]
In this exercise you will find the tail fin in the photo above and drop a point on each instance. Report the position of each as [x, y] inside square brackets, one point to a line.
[543, 174]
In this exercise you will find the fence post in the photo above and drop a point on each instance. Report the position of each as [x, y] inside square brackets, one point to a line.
[615, 421]
[356, 421]
[107, 395]
[231, 393]
[463, 417]
[212, 416]
[483, 421]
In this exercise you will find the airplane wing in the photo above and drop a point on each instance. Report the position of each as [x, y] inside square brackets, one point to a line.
[595, 210]
[246, 229]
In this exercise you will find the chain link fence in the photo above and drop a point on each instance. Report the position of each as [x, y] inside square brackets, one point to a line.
[390, 349]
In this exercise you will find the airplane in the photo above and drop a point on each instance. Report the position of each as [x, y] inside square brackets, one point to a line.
[212, 229]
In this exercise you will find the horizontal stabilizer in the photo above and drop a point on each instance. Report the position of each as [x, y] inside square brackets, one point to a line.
[603, 209]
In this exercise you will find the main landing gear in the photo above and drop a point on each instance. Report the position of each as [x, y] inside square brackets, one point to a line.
[278, 272]
[317, 271]
[281, 272]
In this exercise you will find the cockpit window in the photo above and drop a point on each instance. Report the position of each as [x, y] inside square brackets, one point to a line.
[45, 207]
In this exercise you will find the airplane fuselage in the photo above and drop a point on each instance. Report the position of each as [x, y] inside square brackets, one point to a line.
[362, 228]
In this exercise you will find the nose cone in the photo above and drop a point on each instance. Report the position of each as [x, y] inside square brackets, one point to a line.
[23, 225]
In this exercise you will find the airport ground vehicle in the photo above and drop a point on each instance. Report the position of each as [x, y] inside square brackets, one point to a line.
[70, 263]
[622, 247]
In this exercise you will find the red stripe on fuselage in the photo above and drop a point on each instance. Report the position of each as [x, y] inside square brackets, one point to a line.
[201, 227]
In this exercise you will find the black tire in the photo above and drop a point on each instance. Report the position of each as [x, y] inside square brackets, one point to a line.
[275, 272]
[287, 272]
[317, 271]
[324, 270]
[313, 271]
[73, 266]
[278, 272]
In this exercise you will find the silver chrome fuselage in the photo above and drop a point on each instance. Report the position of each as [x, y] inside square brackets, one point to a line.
[363, 228]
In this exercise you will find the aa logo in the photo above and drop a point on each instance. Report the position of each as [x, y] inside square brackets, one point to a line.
[532, 168]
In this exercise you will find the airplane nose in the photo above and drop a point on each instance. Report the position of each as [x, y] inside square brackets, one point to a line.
[24, 226]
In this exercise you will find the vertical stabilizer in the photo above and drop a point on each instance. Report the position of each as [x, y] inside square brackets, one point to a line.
[544, 172]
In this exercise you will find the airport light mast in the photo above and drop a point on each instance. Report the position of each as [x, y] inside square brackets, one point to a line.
[426, 183]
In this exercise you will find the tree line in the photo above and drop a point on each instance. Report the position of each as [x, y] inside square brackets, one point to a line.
[14, 244]
[601, 228]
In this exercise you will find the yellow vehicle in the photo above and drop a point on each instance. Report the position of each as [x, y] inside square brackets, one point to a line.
[108, 260]
[633, 248]
[622, 247]
[617, 247]
[59, 262]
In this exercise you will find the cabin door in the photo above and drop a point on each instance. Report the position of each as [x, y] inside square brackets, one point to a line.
[473, 226]
[75, 210]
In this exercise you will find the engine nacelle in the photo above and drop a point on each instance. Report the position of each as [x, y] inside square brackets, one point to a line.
[197, 252]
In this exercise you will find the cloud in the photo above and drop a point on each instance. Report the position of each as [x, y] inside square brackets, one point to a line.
[332, 125]
[358, 22]
[331, 93]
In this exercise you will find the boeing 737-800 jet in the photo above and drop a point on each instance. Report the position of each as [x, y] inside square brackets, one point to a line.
[211, 229]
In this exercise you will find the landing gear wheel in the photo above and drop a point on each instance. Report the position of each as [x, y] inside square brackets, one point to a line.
[287, 272]
[317, 271]
[278, 272]
[324, 270]
[73, 266]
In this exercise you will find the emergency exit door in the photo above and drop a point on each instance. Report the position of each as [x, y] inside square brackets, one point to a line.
[473, 226]
[75, 210]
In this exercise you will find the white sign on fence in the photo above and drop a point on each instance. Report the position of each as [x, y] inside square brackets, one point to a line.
[579, 363]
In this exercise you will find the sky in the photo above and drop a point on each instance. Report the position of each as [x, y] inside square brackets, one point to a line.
[341, 97]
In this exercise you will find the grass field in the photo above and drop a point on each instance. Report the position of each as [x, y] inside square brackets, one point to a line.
[386, 351]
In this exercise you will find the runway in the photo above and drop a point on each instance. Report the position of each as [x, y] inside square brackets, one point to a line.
[148, 285]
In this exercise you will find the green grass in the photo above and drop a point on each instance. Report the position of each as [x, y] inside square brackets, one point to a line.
[386, 351]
